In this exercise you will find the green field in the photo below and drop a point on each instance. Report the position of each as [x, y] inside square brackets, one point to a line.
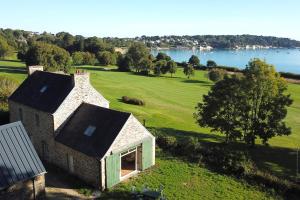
[169, 107]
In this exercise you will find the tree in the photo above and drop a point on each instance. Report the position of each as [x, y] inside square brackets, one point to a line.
[52, 57]
[172, 67]
[124, 63]
[163, 66]
[163, 56]
[88, 58]
[146, 66]
[220, 108]
[216, 74]
[77, 58]
[249, 107]
[137, 52]
[266, 103]
[157, 70]
[211, 63]
[188, 70]
[106, 58]
[5, 49]
[194, 61]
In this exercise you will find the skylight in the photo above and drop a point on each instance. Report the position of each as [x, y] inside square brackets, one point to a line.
[43, 89]
[89, 131]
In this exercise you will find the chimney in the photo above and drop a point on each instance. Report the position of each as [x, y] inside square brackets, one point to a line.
[33, 68]
[81, 78]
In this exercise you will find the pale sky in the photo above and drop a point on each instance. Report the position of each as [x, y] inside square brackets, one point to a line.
[130, 18]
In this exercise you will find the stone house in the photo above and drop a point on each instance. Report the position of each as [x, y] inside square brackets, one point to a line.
[71, 126]
[21, 170]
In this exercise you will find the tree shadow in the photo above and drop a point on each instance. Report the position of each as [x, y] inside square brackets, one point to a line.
[196, 81]
[279, 161]
[15, 70]
[96, 69]
[202, 137]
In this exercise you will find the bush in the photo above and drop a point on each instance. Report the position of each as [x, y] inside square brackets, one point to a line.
[167, 142]
[216, 74]
[7, 87]
[221, 158]
[133, 101]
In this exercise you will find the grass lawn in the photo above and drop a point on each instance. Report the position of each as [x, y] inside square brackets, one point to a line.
[169, 107]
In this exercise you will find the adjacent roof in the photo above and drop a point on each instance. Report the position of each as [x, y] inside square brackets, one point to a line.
[18, 158]
[108, 123]
[44, 91]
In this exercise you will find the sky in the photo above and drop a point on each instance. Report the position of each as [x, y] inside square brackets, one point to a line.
[131, 18]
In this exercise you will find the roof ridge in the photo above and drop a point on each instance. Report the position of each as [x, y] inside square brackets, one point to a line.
[103, 108]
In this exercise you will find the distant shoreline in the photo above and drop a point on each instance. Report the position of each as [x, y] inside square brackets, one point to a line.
[211, 49]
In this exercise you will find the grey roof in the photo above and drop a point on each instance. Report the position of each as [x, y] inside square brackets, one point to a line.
[44, 91]
[18, 158]
[103, 124]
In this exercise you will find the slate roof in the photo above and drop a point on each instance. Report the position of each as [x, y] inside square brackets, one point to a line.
[108, 124]
[44, 91]
[18, 158]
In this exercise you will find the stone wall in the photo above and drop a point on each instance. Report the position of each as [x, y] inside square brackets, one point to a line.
[25, 190]
[39, 130]
[86, 168]
[133, 132]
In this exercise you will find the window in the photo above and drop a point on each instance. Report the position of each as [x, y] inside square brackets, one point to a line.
[37, 120]
[43, 89]
[21, 114]
[89, 130]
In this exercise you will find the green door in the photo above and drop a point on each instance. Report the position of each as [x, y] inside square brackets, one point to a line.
[147, 158]
[112, 170]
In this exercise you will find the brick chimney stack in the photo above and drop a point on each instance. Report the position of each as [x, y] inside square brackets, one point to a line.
[33, 68]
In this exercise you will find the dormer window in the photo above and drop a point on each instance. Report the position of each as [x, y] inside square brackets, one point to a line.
[43, 89]
[89, 131]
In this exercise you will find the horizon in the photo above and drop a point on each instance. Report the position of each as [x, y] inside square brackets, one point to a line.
[155, 18]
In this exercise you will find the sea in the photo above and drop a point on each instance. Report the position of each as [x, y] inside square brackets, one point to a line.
[284, 59]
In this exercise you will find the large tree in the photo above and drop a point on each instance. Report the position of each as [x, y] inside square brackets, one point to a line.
[137, 52]
[250, 107]
[220, 108]
[266, 103]
[52, 57]
[106, 58]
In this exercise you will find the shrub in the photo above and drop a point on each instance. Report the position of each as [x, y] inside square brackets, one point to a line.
[187, 146]
[222, 159]
[167, 142]
[7, 87]
[133, 101]
[216, 74]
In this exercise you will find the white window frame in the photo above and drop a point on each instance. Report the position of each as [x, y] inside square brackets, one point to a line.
[124, 153]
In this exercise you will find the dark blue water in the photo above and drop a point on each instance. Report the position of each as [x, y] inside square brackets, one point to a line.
[285, 60]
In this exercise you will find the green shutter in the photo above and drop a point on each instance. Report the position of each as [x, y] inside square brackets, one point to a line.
[147, 154]
[112, 170]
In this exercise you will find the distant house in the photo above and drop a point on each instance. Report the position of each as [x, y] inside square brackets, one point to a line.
[21, 170]
[72, 127]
